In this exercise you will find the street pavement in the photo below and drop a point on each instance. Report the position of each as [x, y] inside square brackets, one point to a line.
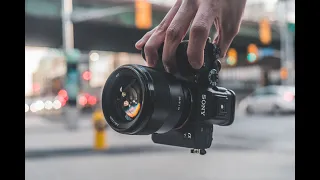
[256, 147]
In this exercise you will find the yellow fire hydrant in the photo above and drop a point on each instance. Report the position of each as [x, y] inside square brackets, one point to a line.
[99, 130]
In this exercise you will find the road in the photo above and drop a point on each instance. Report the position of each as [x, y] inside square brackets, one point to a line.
[257, 147]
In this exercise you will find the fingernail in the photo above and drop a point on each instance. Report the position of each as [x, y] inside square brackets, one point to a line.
[151, 63]
[195, 65]
[167, 69]
[170, 69]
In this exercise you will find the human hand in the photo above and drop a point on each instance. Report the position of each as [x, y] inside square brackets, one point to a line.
[199, 15]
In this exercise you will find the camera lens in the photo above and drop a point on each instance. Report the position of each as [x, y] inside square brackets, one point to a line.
[128, 99]
[140, 100]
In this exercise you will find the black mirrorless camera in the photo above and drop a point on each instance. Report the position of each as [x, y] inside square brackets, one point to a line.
[178, 110]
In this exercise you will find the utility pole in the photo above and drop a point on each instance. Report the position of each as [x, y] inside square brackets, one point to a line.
[67, 25]
[72, 56]
[286, 44]
[72, 78]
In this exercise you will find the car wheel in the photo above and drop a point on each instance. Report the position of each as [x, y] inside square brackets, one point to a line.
[249, 110]
[275, 110]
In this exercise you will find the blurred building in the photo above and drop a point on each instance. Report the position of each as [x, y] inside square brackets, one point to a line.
[113, 37]
[103, 63]
[48, 75]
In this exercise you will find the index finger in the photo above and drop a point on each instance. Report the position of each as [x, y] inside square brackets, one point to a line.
[199, 33]
[157, 38]
[176, 32]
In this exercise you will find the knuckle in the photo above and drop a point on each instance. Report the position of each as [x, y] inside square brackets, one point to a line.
[199, 28]
[149, 33]
[231, 29]
[148, 49]
[192, 4]
[173, 34]
[161, 28]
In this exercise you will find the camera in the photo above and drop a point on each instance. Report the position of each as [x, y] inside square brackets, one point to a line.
[176, 109]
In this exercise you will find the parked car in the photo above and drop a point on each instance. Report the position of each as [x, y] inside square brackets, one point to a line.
[270, 99]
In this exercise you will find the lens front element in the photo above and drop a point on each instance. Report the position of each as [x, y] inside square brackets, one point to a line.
[129, 99]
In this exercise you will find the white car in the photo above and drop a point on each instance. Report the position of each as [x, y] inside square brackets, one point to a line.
[270, 99]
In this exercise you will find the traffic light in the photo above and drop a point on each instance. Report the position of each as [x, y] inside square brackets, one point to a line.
[265, 31]
[253, 53]
[143, 14]
[232, 57]
[72, 81]
[283, 73]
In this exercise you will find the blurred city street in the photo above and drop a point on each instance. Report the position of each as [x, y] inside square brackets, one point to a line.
[72, 47]
[256, 147]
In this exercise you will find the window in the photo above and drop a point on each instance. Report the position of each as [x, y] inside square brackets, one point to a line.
[271, 91]
[259, 92]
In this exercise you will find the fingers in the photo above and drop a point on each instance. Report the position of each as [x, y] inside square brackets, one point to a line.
[152, 42]
[227, 32]
[176, 32]
[199, 33]
[224, 44]
[229, 25]
[139, 44]
[222, 40]
[216, 38]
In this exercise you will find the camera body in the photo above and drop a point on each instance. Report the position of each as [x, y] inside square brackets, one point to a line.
[210, 104]
[177, 110]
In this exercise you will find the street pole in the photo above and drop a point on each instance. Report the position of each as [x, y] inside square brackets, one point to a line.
[286, 43]
[67, 25]
[71, 112]
[289, 50]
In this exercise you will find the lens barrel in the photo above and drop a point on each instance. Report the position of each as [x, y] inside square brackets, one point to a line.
[165, 102]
